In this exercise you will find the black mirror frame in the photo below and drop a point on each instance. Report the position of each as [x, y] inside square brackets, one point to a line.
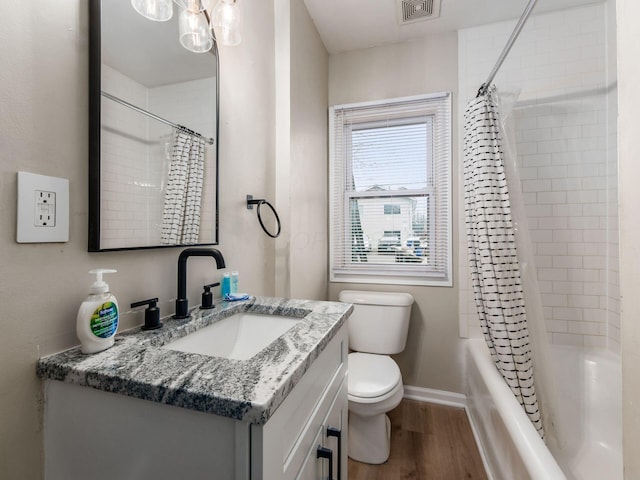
[95, 74]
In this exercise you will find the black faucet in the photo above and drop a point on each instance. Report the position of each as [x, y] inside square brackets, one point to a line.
[182, 302]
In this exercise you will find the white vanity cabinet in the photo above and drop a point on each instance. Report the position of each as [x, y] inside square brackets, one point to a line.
[286, 447]
[98, 435]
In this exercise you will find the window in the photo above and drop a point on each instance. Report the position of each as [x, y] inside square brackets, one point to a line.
[390, 209]
[390, 198]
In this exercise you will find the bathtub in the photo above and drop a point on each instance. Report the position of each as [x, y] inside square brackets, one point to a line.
[588, 418]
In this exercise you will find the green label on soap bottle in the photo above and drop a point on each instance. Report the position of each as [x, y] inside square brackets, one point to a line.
[104, 321]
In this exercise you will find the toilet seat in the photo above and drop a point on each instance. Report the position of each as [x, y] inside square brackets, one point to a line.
[372, 376]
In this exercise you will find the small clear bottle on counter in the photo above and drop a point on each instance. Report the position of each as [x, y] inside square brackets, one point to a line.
[234, 282]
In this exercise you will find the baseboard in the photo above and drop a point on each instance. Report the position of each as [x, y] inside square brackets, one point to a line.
[440, 397]
[479, 444]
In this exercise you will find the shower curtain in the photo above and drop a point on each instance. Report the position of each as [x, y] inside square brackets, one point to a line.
[181, 214]
[495, 270]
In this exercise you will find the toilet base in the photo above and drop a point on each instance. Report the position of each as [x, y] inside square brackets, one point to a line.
[369, 438]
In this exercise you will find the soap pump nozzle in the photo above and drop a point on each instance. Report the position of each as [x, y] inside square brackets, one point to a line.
[100, 286]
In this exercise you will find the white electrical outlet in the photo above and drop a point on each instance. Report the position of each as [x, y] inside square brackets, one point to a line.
[45, 212]
[43, 209]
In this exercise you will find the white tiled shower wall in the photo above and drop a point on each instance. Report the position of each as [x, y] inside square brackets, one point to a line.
[135, 149]
[563, 66]
[124, 163]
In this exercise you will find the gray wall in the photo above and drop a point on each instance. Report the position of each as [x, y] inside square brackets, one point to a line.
[301, 153]
[432, 358]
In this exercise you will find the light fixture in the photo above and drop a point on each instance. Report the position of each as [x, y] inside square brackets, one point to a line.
[193, 28]
[156, 10]
[227, 21]
[200, 23]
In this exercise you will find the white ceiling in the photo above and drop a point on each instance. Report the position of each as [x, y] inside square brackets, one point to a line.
[146, 51]
[354, 24]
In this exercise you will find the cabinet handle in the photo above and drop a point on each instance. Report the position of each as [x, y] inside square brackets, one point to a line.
[322, 452]
[336, 432]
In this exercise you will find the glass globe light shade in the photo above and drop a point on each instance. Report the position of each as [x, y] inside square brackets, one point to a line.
[194, 32]
[193, 5]
[226, 21]
[156, 10]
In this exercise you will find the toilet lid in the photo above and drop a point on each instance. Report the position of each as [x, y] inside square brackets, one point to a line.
[372, 375]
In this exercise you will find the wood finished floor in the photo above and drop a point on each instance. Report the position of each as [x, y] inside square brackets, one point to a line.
[428, 442]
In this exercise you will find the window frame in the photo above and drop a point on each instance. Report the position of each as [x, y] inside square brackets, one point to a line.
[398, 272]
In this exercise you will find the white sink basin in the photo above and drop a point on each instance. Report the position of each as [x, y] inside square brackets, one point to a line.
[239, 336]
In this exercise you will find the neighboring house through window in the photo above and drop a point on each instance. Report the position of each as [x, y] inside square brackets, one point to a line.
[390, 196]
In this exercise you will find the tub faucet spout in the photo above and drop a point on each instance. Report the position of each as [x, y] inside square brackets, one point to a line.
[182, 302]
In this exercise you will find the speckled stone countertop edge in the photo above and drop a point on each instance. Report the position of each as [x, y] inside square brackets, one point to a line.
[247, 390]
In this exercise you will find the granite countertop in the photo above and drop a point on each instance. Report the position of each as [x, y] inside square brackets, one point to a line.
[247, 390]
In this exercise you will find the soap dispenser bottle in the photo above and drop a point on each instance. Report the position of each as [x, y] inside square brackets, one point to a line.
[98, 316]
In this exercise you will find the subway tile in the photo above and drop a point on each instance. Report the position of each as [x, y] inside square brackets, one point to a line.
[538, 210]
[553, 274]
[568, 235]
[595, 235]
[536, 185]
[539, 160]
[551, 197]
[536, 134]
[564, 184]
[553, 145]
[585, 248]
[541, 235]
[543, 261]
[583, 301]
[594, 341]
[555, 300]
[552, 248]
[583, 275]
[545, 286]
[567, 339]
[559, 171]
[583, 196]
[597, 261]
[584, 328]
[553, 223]
[584, 223]
[567, 313]
[569, 210]
[568, 288]
[556, 326]
[567, 261]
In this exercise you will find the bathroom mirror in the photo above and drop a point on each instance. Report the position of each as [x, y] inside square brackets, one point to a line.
[153, 124]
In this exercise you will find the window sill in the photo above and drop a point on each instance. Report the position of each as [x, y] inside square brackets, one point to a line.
[386, 279]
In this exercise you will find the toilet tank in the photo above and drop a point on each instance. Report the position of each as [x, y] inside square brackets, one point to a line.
[379, 322]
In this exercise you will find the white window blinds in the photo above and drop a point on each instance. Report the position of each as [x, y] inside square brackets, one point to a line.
[390, 191]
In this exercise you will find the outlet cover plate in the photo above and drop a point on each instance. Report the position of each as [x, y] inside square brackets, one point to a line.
[41, 197]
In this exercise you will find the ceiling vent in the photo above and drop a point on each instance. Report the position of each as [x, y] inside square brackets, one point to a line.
[410, 11]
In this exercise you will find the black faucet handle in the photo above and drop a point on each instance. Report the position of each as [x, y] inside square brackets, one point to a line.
[151, 313]
[207, 296]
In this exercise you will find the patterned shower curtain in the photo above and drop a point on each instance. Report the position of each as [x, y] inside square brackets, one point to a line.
[181, 215]
[495, 271]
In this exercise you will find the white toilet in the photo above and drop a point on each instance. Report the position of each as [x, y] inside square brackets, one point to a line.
[378, 328]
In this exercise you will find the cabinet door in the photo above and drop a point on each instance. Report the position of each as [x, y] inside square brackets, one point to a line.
[333, 438]
[312, 467]
[335, 433]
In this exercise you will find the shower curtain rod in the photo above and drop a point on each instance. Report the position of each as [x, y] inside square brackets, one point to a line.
[505, 51]
[210, 141]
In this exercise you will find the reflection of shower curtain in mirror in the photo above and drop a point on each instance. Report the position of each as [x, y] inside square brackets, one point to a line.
[181, 215]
